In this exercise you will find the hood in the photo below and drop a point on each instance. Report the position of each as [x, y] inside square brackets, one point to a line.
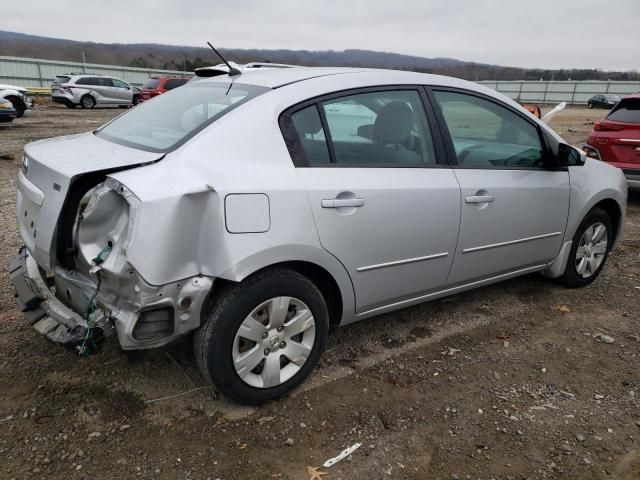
[54, 176]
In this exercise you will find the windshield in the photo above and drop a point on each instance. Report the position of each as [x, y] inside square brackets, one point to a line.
[172, 118]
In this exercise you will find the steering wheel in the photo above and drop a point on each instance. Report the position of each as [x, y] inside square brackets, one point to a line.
[522, 160]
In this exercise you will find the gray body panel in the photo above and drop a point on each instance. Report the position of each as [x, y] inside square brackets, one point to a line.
[224, 207]
[523, 226]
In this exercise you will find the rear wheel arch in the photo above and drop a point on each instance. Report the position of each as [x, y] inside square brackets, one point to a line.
[319, 276]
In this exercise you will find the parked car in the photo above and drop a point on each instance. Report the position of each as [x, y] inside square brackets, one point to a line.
[603, 101]
[616, 139]
[19, 97]
[7, 112]
[218, 209]
[160, 84]
[91, 90]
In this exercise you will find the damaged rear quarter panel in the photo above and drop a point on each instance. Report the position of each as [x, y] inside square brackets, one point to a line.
[180, 231]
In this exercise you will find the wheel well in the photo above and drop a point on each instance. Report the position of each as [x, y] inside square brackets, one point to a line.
[16, 100]
[318, 275]
[612, 209]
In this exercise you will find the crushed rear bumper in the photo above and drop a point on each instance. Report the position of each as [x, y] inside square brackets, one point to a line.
[48, 315]
[131, 312]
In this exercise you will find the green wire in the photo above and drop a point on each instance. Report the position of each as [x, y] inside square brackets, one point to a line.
[91, 305]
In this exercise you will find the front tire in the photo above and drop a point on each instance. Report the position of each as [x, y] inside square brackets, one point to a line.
[263, 337]
[589, 250]
[590, 105]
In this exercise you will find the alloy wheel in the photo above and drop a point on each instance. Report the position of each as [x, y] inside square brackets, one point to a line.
[591, 250]
[273, 342]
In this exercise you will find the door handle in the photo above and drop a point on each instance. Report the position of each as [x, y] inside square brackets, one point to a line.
[342, 202]
[479, 199]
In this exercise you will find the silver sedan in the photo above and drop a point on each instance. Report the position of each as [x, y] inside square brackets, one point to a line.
[257, 210]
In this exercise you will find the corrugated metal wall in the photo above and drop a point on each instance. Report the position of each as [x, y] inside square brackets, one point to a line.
[566, 91]
[32, 72]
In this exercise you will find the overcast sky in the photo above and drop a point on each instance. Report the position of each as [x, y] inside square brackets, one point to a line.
[523, 33]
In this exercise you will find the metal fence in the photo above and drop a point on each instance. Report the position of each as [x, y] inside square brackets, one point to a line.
[552, 92]
[33, 72]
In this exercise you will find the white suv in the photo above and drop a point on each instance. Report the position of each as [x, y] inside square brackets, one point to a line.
[91, 90]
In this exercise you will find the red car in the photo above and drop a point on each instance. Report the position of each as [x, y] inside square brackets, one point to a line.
[157, 85]
[616, 139]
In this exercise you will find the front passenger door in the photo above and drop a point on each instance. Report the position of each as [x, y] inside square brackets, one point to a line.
[514, 204]
[121, 91]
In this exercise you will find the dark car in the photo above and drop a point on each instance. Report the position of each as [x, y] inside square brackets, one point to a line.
[603, 101]
[616, 139]
[7, 112]
[157, 85]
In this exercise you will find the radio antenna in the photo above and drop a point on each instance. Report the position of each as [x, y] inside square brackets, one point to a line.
[232, 70]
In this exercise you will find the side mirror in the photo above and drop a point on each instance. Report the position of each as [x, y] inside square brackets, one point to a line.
[569, 156]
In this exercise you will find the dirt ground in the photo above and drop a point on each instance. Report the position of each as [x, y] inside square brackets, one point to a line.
[510, 381]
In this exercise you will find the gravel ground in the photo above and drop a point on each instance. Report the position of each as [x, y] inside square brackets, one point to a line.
[512, 381]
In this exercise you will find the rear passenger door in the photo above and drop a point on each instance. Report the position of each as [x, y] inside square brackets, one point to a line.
[515, 201]
[104, 88]
[384, 203]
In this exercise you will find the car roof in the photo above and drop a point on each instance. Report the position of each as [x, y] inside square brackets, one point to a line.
[279, 77]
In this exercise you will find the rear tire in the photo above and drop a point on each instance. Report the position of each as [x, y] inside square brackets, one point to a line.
[248, 351]
[589, 250]
[87, 101]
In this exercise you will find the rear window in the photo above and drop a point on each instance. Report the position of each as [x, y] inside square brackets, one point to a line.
[174, 82]
[627, 110]
[61, 79]
[151, 84]
[171, 119]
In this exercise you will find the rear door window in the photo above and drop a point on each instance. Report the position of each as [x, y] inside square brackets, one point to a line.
[374, 129]
[87, 81]
[308, 126]
[487, 135]
[627, 110]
